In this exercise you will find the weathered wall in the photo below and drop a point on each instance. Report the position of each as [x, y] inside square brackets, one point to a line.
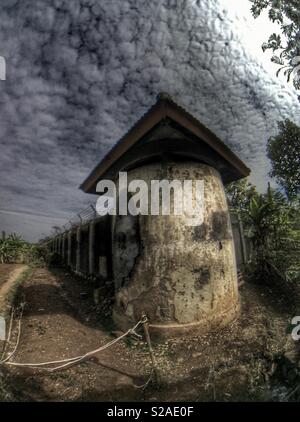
[181, 276]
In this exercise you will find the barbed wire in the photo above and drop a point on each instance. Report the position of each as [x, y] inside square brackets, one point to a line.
[82, 217]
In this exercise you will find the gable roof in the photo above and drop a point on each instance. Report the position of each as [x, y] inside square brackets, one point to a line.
[165, 109]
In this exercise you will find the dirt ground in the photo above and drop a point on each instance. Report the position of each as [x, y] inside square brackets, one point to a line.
[252, 359]
[8, 275]
[6, 270]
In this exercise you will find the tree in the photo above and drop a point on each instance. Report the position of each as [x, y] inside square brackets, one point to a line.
[272, 225]
[239, 195]
[284, 152]
[287, 14]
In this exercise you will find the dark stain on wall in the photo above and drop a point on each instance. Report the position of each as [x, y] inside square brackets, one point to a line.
[203, 277]
[103, 244]
[121, 240]
[220, 226]
[199, 233]
[129, 240]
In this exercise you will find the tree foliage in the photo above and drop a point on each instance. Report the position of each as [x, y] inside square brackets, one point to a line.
[287, 44]
[284, 152]
[14, 249]
[272, 226]
[239, 194]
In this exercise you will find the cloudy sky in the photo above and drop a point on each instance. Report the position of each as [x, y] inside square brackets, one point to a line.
[81, 72]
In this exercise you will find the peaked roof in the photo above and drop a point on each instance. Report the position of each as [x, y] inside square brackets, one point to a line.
[165, 109]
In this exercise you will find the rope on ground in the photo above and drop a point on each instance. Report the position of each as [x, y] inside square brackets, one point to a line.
[7, 341]
[10, 355]
[69, 361]
[144, 386]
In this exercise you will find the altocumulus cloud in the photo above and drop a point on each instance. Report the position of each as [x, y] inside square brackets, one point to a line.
[79, 73]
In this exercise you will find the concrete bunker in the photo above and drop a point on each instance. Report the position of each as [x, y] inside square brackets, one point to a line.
[183, 277]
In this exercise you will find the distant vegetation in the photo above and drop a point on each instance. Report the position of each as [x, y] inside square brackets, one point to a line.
[13, 249]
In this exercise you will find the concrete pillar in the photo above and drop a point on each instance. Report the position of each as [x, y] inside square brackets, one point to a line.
[182, 276]
[59, 244]
[243, 243]
[69, 247]
[78, 248]
[103, 270]
[63, 246]
[92, 247]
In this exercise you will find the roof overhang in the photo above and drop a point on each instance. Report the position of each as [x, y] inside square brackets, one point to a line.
[166, 110]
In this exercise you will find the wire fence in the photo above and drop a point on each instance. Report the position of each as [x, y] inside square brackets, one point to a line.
[82, 217]
[241, 242]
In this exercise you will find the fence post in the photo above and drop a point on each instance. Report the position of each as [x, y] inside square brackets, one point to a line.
[243, 243]
[59, 244]
[69, 247]
[63, 247]
[78, 248]
[92, 247]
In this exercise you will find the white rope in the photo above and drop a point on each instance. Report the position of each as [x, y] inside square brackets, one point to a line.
[18, 338]
[9, 333]
[69, 361]
[144, 386]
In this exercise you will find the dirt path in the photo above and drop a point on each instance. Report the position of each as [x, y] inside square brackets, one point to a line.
[61, 320]
[6, 270]
[13, 273]
[55, 325]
